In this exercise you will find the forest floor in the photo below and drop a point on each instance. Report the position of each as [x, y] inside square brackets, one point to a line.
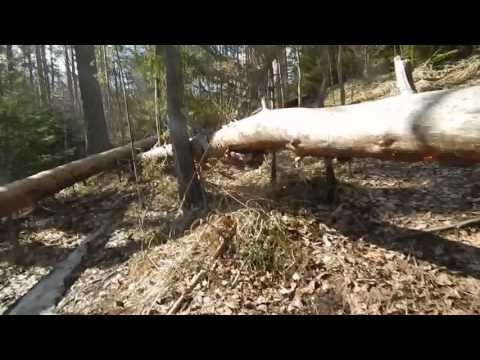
[285, 250]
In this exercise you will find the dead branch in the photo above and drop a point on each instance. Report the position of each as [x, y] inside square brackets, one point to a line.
[438, 229]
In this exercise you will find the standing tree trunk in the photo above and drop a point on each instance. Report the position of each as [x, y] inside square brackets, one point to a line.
[299, 79]
[284, 75]
[78, 107]
[10, 65]
[97, 136]
[107, 83]
[341, 84]
[41, 75]
[330, 68]
[190, 189]
[1, 75]
[52, 69]
[277, 95]
[117, 96]
[45, 72]
[30, 67]
[340, 75]
[70, 92]
[157, 88]
[277, 83]
[129, 123]
[365, 62]
[69, 77]
[157, 114]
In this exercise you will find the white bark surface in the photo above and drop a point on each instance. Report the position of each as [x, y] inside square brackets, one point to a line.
[24, 193]
[440, 125]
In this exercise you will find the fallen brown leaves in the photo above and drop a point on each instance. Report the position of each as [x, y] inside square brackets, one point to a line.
[302, 257]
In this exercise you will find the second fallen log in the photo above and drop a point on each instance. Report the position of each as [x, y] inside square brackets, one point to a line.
[24, 193]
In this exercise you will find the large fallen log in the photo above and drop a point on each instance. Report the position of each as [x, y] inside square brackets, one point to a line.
[26, 192]
[439, 126]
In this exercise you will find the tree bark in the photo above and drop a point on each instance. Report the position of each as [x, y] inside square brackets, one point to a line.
[10, 65]
[107, 83]
[1, 75]
[439, 126]
[45, 71]
[119, 106]
[97, 136]
[403, 73]
[41, 75]
[190, 189]
[52, 69]
[277, 83]
[30, 68]
[77, 101]
[69, 77]
[365, 62]
[127, 115]
[156, 101]
[340, 75]
[299, 78]
[26, 192]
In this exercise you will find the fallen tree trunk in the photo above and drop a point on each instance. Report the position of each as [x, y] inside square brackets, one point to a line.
[26, 192]
[198, 143]
[439, 126]
[160, 151]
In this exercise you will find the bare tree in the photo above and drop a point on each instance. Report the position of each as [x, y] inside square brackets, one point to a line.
[41, 75]
[69, 76]
[43, 57]
[299, 77]
[340, 74]
[189, 186]
[157, 95]
[75, 80]
[27, 54]
[97, 136]
[52, 69]
[365, 62]
[10, 65]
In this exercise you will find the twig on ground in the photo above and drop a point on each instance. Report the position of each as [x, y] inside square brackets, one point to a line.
[220, 250]
[173, 310]
[439, 228]
[234, 282]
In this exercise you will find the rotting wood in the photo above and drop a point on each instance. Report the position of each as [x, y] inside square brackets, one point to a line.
[44, 296]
